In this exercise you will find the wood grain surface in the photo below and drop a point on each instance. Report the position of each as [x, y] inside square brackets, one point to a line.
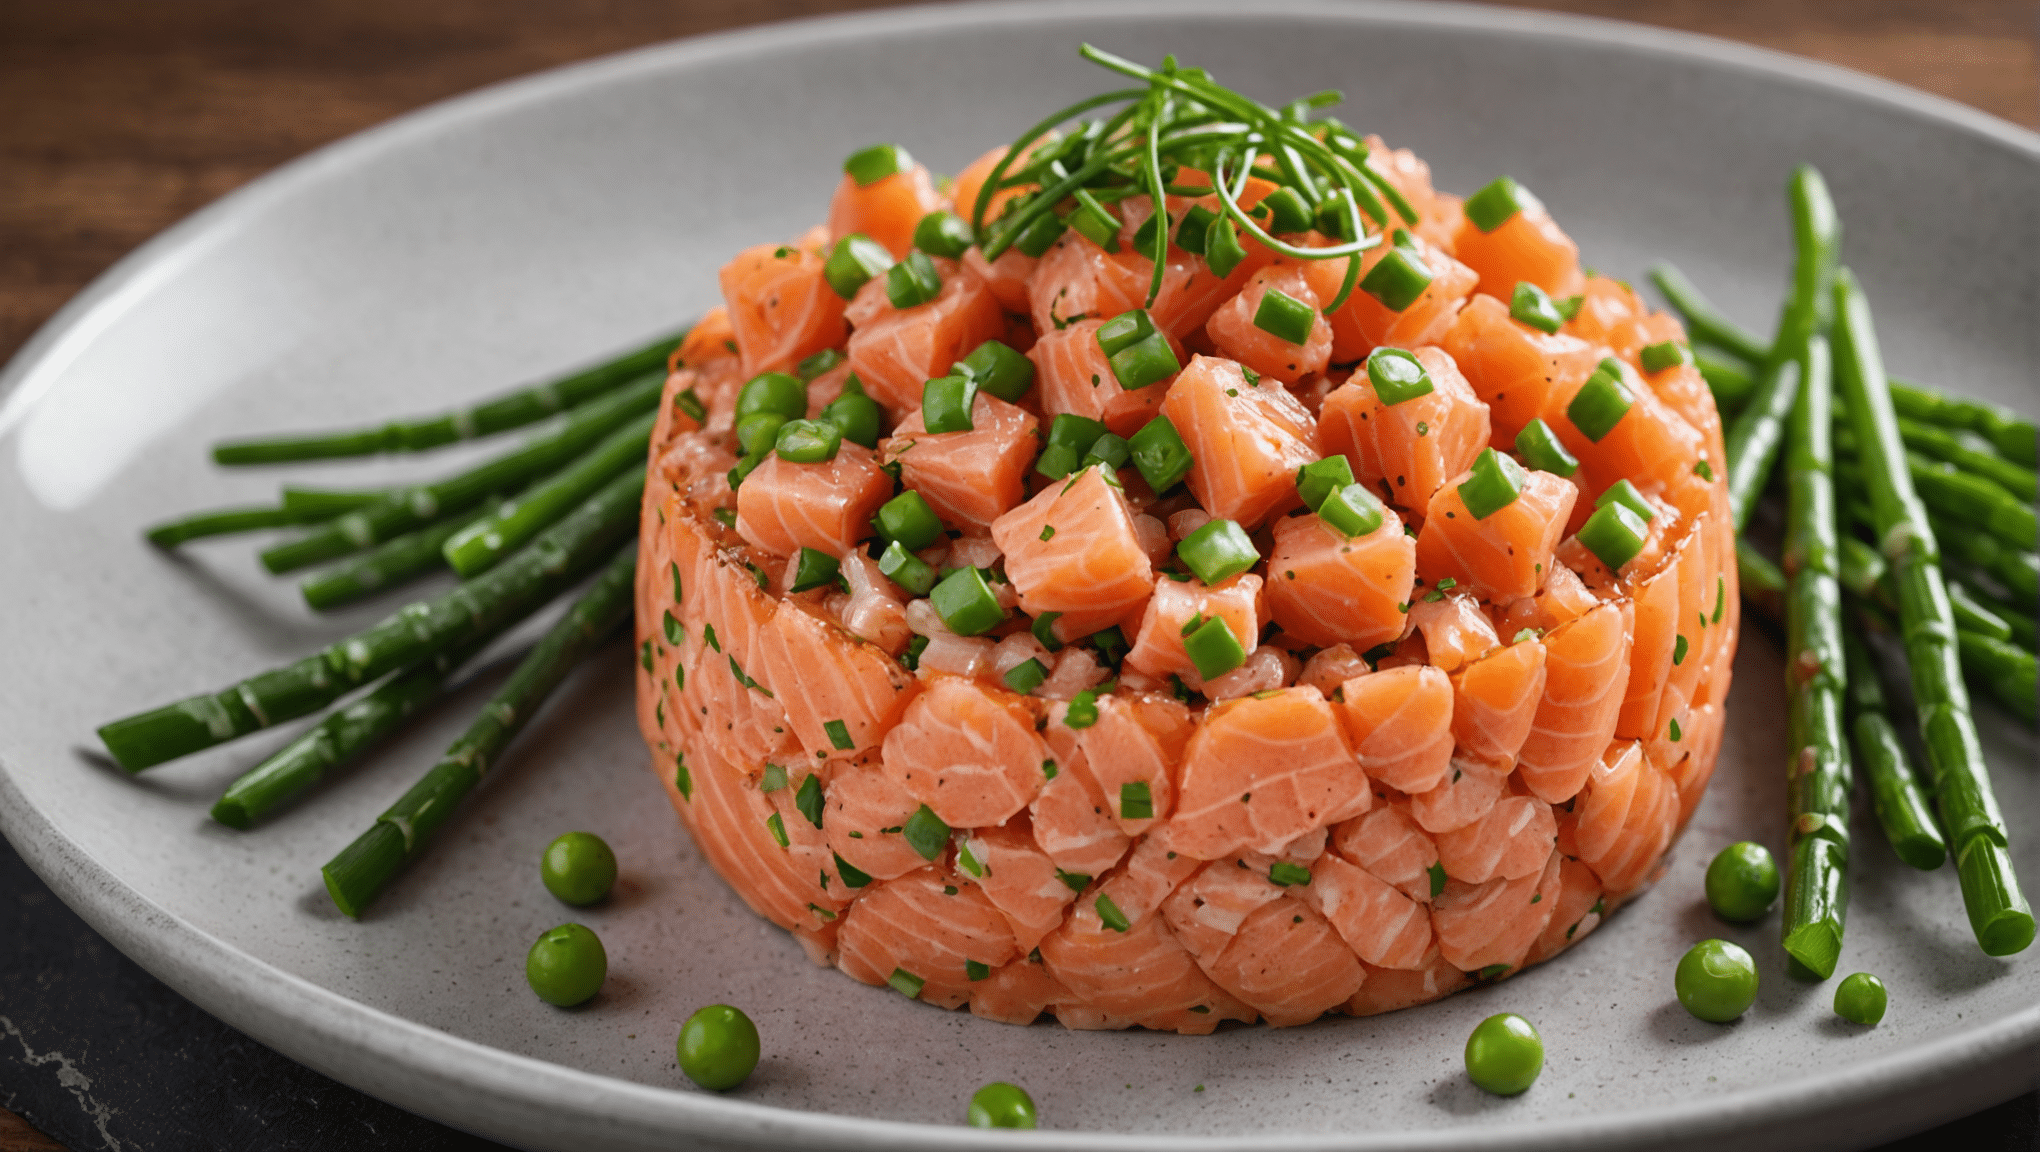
[123, 116]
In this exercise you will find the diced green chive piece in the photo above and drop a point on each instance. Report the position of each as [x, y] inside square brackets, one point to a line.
[1039, 234]
[727, 517]
[1069, 438]
[943, 234]
[773, 392]
[1334, 217]
[1150, 233]
[998, 369]
[690, 404]
[1397, 375]
[1673, 731]
[965, 860]
[1047, 533]
[1289, 874]
[1222, 250]
[645, 650]
[906, 518]
[1139, 353]
[1491, 207]
[807, 441]
[1679, 650]
[1083, 710]
[777, 827]
[1601, 402]
[1493, 971]
[1319, 479]
[912, 282]
[1026, 676]
[1670, 354]
[772, 779]
[708, 635]
[675, 634]
[1043, 629]
[1720, 597]
[758, 433]
[1110, 644]
[1284, 316]
[1218, 550]
[906, 570]
[856, 416]
[1399, 277]
[1447, 584]
[737, 475]
[906, 983]
[1495, 483]
[1570, 306]
[839, 735]
[1542, 450]
[1626, 493]
[808, 798]
[975, 970]
[853, 877]
[1704, 470]
[1048, 770]
[814, 569]
[1195, 227]
[1352, 511]
[1437, 872]
[966, 603]
[684, 781]
[867, 166]
[1160, 454]
[1074, 881]
[946, 401]
[1110, 915]
[817, 364]
[1533, 306]
[1214, 649]
[1136, 802]
[1614, 534]
[1287, 211]
[1108, 450]
[853, 262]
[925, 832]
[1094, 221]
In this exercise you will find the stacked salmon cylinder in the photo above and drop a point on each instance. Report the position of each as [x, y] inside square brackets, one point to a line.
[1364, 710]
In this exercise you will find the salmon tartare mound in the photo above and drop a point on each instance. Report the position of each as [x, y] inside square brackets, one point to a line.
[1164, 638]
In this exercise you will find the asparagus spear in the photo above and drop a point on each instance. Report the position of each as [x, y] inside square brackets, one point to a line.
[404, 509]
[1974, 617]
[476, 547]
[1940, 444]
[2013, 434]
[1819, 774]
[1753, 438]
[1707, 323]
[318, 504]
[535, 575]
[1817, 246]
[2005, 670]
[223, 521]
[1895, 793]
[360, 872]
[388, 564]
[2019, 620]
[497, 414]
[1763, 582]
[1998, 912]
[1729, 379]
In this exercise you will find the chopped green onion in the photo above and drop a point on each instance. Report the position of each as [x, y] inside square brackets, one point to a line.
[1679, 650]
[907, 519]
[1069, 438]
[966, 603]
[1289, 874]
[1136, 801]
[1083, 710]
[1026, 676]
[737, 475]
[1570, 306]
[1048, 770]
[857, 416]
[925, 832]
[839, 735]
[1214, 649]
[1160, 454]
[1541, 449]
[1139, 353]
[1352, 511]
[912, 282]
[867, 166]
[1437, 873]
[1319, 479]
[998, 369]
[1094, 221]
[1110, 644]
[690, 405]
[1217, 550]
[1704, 470]
[975, 970]
[813, 569]
[853, 876]
[1397, 375]
[911, 658]
[807, 441]
[1492, 206]
[1626, 493]
[1036, 238]
[943, 234]
[1196, 225]
[777, 827]
[1150, 232]
[1399, 277]
[1670, 354]
[906, 569]
[1601, 403]
[906, 983]
[1614, 534]
[1334, 218]
[1108, 450]
[1533, 306]
[1222, 250]
[773, 392]
[1285, 317]
[946, 401]
[1494, 483]
[854, 261]
[772, 779]
[1287, 211]
[808, 798]
[817, 364]
[1043, 629]
[1074, 881]
[1110, 915]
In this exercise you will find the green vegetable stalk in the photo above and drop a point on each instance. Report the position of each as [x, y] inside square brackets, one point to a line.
[1895, 793]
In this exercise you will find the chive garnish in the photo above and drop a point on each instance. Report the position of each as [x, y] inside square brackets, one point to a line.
[1136, 802]
[1601, 402]
[867, 166]
[906, 983]
[925, 832]
[1110, 915]
[808, 798]
[839, 735]
[777, 827]
[772, 779]
[1288, 874]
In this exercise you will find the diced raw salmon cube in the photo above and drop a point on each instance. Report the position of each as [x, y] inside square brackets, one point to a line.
[783, 507]
[1073, 549]
[1246, 441]
[1325, 589]
[1407, 451]
[970, 478]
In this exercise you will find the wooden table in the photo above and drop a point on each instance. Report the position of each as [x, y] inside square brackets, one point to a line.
[124, 116]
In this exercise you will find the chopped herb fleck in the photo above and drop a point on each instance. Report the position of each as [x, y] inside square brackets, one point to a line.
[926, 833]
[778, 829]
[839, 735]
[773, 780]
[1437, 878]
[975, 970]
[1110, 915]
[1136, 802]
[1288, 874]
[808, 798]
[906, 983]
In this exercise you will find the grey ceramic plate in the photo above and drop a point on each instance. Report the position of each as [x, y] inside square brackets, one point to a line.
[529, 226]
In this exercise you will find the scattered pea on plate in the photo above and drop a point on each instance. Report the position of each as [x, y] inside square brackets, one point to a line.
[1742, 882]
[1716, 981]
[718, 1047]
[1860, 999]
[567, 965]
[578, 868]
[1002, 1105]
[1504, 1054]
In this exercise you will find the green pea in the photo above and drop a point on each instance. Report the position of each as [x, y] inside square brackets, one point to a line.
[1742, 882]
[1504, 1054]
[718, 1047]
[1002, 1105]
[578, 868]
[566, 966]
[1716, 981]
[1860, 999]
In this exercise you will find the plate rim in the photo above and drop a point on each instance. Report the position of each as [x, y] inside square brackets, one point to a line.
[433, 1072]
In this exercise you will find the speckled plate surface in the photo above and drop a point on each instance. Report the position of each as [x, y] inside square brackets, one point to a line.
[523, 228]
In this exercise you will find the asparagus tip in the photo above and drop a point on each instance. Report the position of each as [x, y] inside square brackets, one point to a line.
[1815, 948]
